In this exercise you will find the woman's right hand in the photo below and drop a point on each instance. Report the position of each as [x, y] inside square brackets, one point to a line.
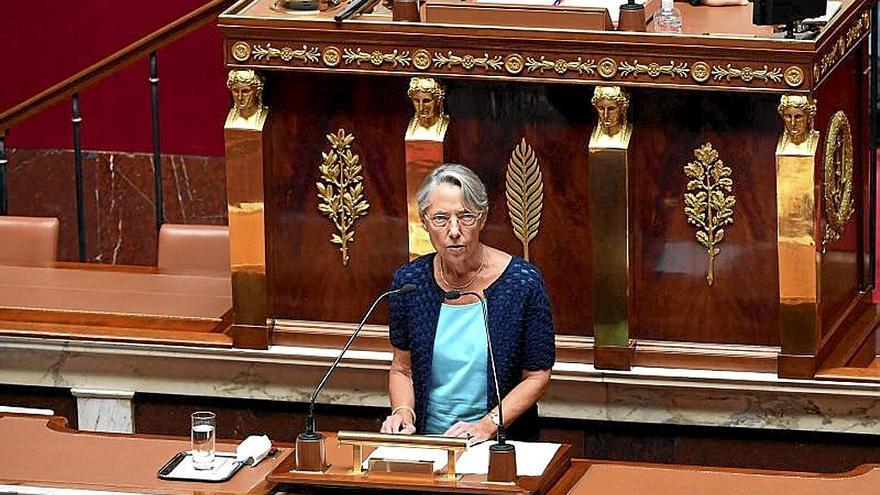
[399, 422]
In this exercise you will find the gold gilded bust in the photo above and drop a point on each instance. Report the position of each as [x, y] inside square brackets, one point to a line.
[429, 122]
[613, 129]
[798, 114]
[247, 111]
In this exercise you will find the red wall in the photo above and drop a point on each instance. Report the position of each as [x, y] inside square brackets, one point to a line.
[44, 41]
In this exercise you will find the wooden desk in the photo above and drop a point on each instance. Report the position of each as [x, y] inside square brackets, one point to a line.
[42, 452]
[645, 479]
[138, 303]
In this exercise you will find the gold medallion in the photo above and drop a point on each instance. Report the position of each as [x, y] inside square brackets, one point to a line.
[331, 56]
[421, 59]
[607, 68]
[513, 63]
[794, 76]
[700, 72]
[241, 51]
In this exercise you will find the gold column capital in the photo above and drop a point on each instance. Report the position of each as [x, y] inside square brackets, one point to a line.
[248, 111]
[613, 130]
[429, 123]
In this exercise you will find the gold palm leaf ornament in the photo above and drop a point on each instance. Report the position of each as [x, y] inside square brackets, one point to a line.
[525, 194]
[341, 190]
[709, 208]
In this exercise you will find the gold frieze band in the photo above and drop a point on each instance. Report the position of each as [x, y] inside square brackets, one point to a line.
[595, 67]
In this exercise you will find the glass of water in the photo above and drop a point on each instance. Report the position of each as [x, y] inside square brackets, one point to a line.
[203, 438]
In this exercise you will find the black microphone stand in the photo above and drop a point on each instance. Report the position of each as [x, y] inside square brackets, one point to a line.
[310, 455]
[502, 455]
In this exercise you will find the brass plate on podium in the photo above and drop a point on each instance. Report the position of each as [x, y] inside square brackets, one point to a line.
[340, 475]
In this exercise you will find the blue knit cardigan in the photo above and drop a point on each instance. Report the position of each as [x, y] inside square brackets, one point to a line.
[520, 324]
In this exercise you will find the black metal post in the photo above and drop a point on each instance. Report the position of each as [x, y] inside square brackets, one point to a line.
[157, 155]
[4, 203]
[78, 168]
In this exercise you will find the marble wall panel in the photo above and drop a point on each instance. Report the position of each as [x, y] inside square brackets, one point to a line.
[118, 198]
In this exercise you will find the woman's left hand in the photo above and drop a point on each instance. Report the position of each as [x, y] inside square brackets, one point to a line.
[475, 432]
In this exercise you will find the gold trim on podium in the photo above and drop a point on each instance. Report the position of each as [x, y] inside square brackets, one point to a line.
[609, 219]
[246, 152]
[798, 256]
[360, 439]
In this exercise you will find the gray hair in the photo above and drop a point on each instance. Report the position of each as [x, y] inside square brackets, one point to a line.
[472, 187]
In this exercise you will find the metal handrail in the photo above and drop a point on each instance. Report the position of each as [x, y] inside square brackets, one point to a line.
[110, 65]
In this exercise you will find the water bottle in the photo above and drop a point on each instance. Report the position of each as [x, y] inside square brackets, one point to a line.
[668, 18]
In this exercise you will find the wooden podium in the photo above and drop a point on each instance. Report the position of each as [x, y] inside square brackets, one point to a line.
[339, 476]
[702, 287]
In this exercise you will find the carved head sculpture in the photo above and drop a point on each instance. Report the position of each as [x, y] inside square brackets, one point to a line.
[611, 103]
[798, 113]
[247, 91]
[427, 99]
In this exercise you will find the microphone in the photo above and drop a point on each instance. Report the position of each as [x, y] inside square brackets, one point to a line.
[310, 441]
[355, 7]
[455, 294]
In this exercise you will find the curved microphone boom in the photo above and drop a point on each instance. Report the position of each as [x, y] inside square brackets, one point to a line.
[310, 422]
[355, 7]
[455, 294]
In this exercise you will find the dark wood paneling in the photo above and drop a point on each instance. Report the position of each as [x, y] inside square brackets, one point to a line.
[839, 269]
[238, 418]
[670, 296]
[59, 400]
[306, 275]
[706, 446]
[488, 121]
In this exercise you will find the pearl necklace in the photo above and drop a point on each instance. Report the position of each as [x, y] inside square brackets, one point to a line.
[471, 281]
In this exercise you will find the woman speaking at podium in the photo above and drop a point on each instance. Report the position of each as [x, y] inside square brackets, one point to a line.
[441, 379]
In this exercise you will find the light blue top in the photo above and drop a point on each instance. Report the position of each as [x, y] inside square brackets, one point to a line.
[459, 371]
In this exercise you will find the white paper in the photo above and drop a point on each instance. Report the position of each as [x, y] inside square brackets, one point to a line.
[223, 465]
[831, 9]
[253, 448]
[437, 456]
[532, 458]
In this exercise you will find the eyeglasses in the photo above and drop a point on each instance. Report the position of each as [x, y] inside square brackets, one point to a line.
[466, 219]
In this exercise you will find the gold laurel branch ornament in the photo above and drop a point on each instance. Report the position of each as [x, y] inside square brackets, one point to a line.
[837, 177]
[525, 194]
[708, 207]
[341, 193]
